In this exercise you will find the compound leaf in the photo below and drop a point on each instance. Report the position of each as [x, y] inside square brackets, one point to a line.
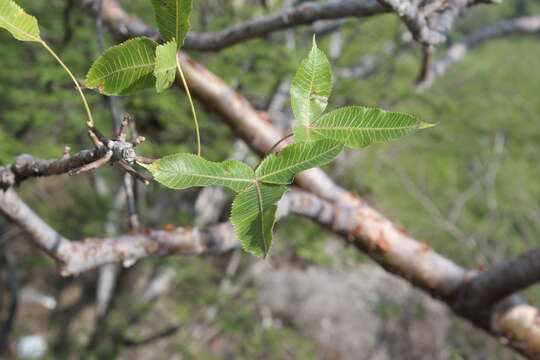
[253, 216]
[165, 69]
[124, 69]
[281, 167]
[357, 126]
[172, 17]
[311, 86]
[22, 26]
[181, 171]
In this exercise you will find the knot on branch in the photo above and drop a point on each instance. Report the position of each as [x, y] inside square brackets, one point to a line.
[115, 151]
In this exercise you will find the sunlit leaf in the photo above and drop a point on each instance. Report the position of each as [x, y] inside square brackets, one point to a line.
[311, 86]
[22, 26]
[172, 17]
[124, 69]
[357, 126]
[165, 69]
[181, 171]
[281, 167]
[253, 216]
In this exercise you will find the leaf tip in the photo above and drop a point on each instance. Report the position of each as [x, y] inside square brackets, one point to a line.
[425, 125]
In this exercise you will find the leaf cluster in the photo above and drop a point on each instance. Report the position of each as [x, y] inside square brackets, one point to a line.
[140, 63]
[318, 140]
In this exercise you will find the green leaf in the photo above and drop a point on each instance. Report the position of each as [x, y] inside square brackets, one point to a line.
[172, 17]
[253, 216]
[301, 134]
[165, 70]
[357, 126]
[22, 26]
[181, 171]
[311, 86]
[124, 69]
[281, 167]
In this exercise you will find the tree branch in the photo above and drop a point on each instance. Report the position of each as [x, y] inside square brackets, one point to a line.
[360, 226]
[503, 280]
[304, 14]
[26, 166]
[431, 24]
[526, 25]
[45, 237]
[115, 151]
[415, 21]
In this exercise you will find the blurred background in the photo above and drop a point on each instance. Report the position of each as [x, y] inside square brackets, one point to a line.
[469, 188]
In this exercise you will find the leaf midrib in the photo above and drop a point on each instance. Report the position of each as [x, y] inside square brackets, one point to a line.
[134, 67]
[312, 81]
[360, 128]
[206, 176]
[261, 211]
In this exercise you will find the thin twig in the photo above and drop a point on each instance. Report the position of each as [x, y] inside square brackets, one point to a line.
[93, 165]
[274, 147]
[123, 128]
[93, 137]
[426, 70]
[190, 100]
[90, 122]
[133, 172]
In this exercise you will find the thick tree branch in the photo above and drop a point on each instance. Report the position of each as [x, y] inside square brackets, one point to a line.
[304, 14]
[26, 166]
[361, 225]
[75, 257]
[520, 321]
[511, 319]
[504, 279]
[526, 25]
[45, 237]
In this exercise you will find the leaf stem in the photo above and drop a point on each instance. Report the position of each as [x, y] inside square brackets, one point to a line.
[191, 105]
[90, 122]
[261, 210]
[274, 147]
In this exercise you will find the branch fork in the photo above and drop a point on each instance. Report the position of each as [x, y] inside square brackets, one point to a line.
[116, 151]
